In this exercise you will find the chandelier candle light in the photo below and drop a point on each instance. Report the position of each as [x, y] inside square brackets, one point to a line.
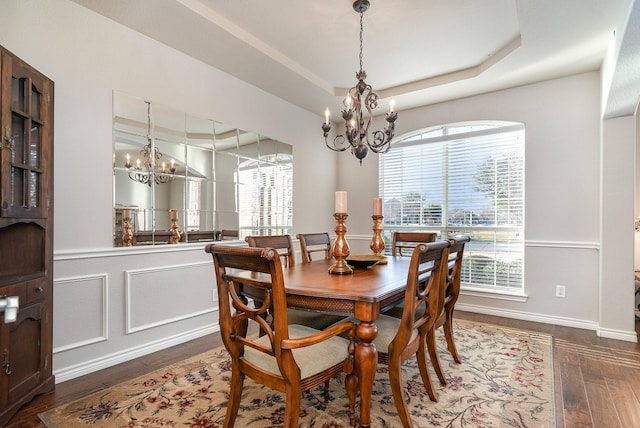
[360, 98]
[153, 172]
[340, 247]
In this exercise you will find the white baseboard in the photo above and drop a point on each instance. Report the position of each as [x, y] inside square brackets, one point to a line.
[91, 366]
[527, 316]
[627, 336]
[618, 334]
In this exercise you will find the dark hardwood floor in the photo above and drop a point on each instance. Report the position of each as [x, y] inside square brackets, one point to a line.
[597, 381]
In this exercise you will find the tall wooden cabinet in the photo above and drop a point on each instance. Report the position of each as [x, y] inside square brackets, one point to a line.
[26, 232]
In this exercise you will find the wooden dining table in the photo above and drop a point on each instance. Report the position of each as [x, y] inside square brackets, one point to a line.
[362, 294]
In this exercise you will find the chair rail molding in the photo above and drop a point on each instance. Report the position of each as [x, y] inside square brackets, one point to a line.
[584, 245]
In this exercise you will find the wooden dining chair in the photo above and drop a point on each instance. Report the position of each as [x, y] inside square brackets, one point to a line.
[282, 243]
[452, 291]
[288, 358]
[408, 240]
[314, 242]
[399, 339]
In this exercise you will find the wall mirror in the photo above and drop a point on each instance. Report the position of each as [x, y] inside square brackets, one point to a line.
[180, 178]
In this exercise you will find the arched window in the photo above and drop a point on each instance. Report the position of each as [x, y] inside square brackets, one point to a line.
[463, 178]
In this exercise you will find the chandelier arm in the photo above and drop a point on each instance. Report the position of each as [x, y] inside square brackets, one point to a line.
[357, 106]
[380, 145]
[140, 177]
[382, 139]
[338, 142]
[364, 131]
[371, 100]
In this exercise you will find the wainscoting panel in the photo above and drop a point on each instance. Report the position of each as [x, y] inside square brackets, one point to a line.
[88, 322]
[166, 294]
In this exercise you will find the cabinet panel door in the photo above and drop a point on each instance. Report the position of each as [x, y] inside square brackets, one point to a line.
[23, 362]
[25, 152]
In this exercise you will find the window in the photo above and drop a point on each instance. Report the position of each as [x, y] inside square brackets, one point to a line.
[265, 202]
[194, 191]
[462, 179]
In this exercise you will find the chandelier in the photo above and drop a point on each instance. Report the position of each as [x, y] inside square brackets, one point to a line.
[360, 98]
[150, 170]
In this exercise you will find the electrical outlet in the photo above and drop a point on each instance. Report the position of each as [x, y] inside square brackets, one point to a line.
[561, 291]
[213, 295]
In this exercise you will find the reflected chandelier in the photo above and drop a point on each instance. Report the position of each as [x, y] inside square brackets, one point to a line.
[153, 171]
[359, 98]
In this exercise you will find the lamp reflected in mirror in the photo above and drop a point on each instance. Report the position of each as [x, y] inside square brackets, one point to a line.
[154, 171]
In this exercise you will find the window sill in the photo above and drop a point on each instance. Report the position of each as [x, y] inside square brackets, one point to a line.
[513, 296]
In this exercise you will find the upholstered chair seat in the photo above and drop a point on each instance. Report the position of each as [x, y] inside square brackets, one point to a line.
[312, 359]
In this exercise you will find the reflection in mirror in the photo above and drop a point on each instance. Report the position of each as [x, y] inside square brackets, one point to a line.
[197, 177]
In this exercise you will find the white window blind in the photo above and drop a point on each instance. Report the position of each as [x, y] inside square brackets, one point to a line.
[265, 196]
[462, 179]
[194, 190]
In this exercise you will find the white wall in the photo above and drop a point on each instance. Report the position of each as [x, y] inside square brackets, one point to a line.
[99, 316]
[616, 311]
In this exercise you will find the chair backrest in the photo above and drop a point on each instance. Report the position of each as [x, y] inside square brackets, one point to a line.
[198, 235]
[313, 242]
[408, 240]
[423, 304]
[282, 243]
[229, 234]
[262, 271]
[151, 236]
[454, 271]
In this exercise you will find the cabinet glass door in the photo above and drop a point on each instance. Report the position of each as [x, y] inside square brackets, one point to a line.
[23, 163]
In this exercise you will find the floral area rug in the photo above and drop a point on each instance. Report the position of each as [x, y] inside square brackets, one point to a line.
[505, 380]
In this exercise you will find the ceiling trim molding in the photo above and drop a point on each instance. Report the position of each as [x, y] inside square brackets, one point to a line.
[454, 76]
[257, 44]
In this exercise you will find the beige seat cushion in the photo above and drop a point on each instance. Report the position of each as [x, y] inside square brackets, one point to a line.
[387, 329]
[311, 359]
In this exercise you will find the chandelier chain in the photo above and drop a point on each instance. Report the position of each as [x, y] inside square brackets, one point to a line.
[148, 119]
[361, 30]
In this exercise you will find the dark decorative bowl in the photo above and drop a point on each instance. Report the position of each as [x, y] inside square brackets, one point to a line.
[363, 261]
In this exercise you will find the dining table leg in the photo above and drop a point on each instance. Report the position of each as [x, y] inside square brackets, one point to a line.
[366, 364]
